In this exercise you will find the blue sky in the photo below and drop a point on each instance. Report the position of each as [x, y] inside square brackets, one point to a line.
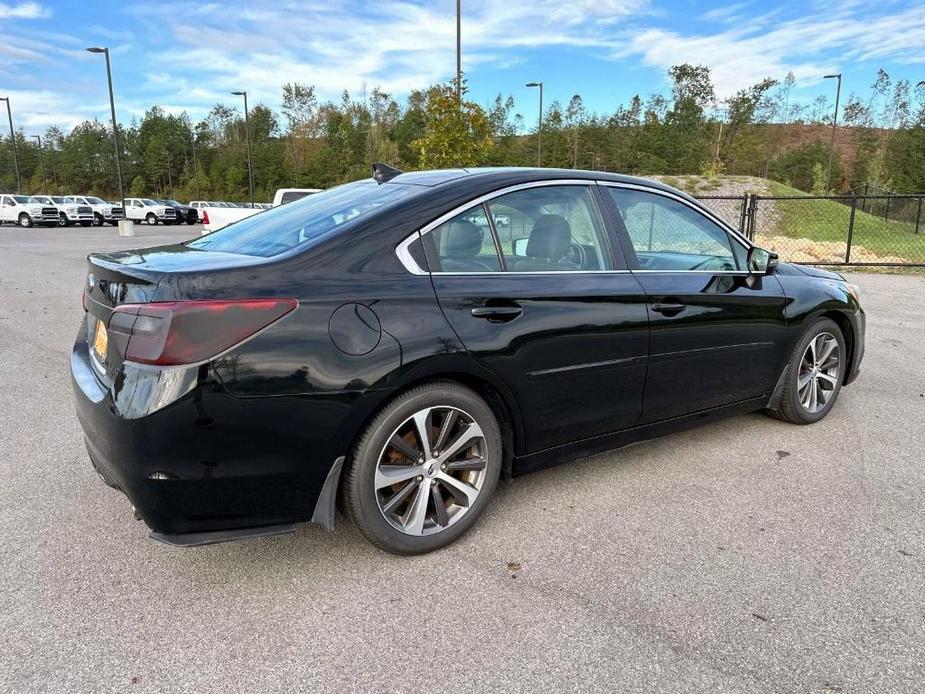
[189, 55]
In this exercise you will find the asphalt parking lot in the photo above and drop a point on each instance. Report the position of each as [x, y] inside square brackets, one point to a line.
[744, 556]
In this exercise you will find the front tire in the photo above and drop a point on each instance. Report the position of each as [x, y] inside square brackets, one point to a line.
[63, 220]
[25, 221]
[97, 219]
[151, 219]
[424, 469]
[814, 375]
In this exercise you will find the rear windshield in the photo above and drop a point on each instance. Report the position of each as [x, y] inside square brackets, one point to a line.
[304, 221]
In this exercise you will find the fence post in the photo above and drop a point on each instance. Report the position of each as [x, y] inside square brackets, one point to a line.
[866, 193]
[918, 216]
[886, 214]
[854, 206]
[750, 218]
[744, 211]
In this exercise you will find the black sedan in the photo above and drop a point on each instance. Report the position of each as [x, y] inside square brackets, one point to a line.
[185, 213]
[399, 343]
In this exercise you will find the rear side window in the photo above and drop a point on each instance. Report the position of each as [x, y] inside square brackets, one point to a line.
[553, 228]
[464, 244]
[304, 221]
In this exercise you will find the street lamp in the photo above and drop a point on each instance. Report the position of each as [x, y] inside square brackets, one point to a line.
[459, 51]
[42, 160]
[9, 114]
[247, 138]
[828, 171]
[115, 127]
[192, 135]
[539, 125]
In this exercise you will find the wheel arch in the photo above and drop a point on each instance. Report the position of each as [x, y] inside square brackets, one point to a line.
[502, 405]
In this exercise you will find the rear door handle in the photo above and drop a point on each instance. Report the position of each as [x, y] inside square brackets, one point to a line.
[668, 309]
[497, 314]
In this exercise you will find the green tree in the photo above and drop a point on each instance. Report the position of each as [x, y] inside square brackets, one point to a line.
[455, 134]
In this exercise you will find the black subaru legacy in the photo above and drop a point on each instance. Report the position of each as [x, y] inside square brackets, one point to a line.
[399, 343]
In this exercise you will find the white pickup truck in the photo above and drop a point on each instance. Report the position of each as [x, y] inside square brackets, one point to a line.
[150, 212]
[69, 212]
[26, 211]
[214, 218]
[103, 212]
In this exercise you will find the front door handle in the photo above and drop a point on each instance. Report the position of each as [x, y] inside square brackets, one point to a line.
[668, 309]
[497, 314]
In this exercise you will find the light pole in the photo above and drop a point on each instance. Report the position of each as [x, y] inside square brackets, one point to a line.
[192, 134]
[828, 171]
[247, 138]
[115, 126]
[459, 51]
[42, 160]
[9, 114]
[539, 125]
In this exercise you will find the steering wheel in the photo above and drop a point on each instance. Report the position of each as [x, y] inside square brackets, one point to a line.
[576, 256]
[714, 263]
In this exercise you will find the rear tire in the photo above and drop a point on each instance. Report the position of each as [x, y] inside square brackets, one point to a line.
[404, 517]
[814, 375]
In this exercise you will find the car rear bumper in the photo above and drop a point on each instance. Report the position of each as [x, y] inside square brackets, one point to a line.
[195, 459]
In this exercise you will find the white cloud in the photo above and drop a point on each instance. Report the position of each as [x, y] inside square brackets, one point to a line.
[23, 10]
[809, 46]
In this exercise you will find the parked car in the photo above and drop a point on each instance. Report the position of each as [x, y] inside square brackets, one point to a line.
[284, 195]
[223, 214]
[69, 212]
[148, 211]
[384, 342]
[185, 213]
[103, 212]
[26, 211]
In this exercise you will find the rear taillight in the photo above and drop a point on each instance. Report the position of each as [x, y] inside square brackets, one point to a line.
[172, 333]
[205, 217]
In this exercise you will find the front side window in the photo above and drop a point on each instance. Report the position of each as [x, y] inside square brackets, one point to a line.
[550, 229]
[668, 235]
[463, 244]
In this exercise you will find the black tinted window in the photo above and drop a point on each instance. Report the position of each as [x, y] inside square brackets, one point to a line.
[669, 235]
[292, 196]
[305, 221]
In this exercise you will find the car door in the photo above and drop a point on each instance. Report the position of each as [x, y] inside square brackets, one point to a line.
[528, 279]
[717, 333]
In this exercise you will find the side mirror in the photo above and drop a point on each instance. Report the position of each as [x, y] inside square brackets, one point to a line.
[520, 246]
[760, 261]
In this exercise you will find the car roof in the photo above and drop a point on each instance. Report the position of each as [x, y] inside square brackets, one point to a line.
[512, 175]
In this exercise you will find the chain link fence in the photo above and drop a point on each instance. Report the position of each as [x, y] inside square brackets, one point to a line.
[873, 230]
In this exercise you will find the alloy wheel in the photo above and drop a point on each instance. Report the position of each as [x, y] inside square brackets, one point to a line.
[819, 372]
[431, 471]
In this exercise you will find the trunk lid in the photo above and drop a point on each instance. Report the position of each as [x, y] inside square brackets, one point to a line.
[134, 277]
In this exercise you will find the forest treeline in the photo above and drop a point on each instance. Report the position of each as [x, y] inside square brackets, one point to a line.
[310, 142]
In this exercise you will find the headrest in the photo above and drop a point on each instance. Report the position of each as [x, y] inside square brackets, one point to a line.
[550, 237]
[464, 240]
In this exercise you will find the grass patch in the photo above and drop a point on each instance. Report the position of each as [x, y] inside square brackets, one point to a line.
[827, 220]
